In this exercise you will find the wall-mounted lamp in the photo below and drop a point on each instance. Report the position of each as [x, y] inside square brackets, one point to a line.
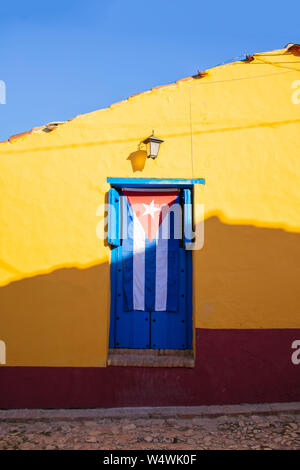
[153, 144]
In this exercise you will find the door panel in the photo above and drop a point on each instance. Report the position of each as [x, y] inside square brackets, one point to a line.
[169, 330]
[132, 328]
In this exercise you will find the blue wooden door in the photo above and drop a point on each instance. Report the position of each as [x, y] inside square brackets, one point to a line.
[150, 329]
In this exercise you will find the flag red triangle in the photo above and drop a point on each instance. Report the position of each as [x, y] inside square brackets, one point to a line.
[151, 207]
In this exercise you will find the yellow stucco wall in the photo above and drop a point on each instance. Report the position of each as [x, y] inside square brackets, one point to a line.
[238, 127]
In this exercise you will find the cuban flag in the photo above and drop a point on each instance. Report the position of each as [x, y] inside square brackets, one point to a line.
[150, 249]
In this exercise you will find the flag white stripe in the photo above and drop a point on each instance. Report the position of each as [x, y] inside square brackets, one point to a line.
[138, 265]
[161, 274]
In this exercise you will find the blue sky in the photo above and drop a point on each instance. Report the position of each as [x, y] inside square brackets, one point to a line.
[63, 58]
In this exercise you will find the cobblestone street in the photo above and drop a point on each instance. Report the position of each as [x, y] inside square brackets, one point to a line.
[276, 431]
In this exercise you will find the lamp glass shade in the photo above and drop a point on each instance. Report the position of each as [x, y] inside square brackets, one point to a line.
[152, 144]
[153, 148]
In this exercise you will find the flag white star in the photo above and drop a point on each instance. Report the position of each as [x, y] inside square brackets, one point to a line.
[150, 209]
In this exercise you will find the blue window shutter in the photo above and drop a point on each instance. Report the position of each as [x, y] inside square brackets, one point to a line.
[114, 217]
[187, 217]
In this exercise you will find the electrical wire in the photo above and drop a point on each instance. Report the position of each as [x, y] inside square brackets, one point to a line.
[191, 130]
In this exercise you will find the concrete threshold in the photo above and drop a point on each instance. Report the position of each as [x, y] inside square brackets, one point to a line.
[184, 412]
[150, 358]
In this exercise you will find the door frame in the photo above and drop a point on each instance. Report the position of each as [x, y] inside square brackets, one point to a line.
[149, 183]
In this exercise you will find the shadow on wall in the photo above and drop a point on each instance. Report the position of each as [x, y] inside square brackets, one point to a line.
[57, 319]
[138, 160]
[246, 277]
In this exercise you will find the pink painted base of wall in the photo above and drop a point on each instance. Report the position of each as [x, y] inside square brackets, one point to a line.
[232, 366]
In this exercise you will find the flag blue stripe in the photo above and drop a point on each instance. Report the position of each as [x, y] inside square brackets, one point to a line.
[161, 275]
[173, 261]
[127, 255]
[150, 268]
